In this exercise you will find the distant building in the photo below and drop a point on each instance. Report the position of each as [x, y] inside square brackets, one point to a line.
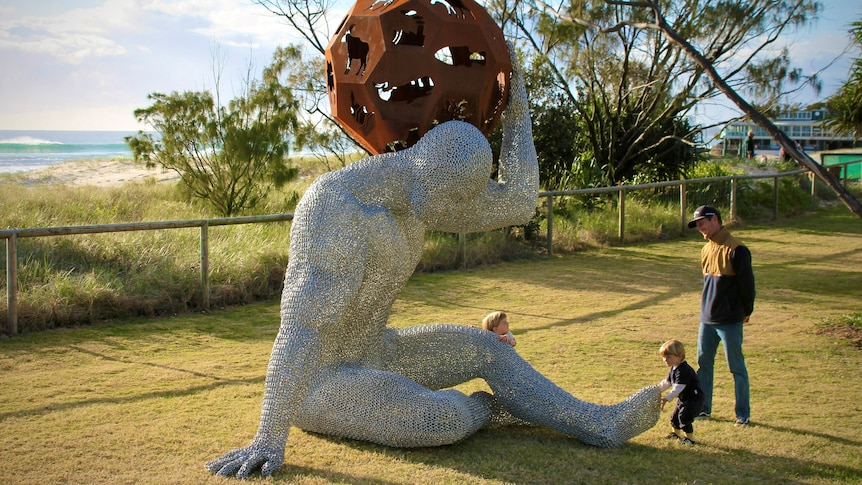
[804, 127]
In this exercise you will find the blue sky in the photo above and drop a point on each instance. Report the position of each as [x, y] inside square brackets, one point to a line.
[88, 64]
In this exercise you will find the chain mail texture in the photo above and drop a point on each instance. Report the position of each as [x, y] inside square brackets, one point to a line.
[357, 236]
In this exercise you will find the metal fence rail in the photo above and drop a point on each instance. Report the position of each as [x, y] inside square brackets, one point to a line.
[12, 235]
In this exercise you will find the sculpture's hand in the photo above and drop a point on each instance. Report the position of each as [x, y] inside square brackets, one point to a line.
[243, 461]
[517, 105]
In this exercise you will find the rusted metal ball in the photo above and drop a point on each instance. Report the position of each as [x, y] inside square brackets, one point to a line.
[395, 69]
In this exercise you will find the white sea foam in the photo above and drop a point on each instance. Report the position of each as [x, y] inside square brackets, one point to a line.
[27, 140]
[25, 150]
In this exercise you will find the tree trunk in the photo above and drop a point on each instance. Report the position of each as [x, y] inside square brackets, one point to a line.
[756, 116]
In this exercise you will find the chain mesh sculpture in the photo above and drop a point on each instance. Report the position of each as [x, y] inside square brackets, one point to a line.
[356, 238]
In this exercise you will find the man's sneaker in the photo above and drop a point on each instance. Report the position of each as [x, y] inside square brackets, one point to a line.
[703, 415]
[672, 436]
[741, 422]
[688, 441]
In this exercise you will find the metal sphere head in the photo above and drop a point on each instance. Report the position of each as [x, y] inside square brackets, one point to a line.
[397, 68]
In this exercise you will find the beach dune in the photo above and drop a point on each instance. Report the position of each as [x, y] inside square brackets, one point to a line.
[99, 173]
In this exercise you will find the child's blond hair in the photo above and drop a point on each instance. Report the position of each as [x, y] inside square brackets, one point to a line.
[672, 347]
[493, 319]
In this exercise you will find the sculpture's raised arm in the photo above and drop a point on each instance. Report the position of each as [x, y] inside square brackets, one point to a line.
[518, 163]
[511, 199]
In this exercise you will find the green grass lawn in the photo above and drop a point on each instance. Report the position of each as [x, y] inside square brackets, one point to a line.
[150, 400]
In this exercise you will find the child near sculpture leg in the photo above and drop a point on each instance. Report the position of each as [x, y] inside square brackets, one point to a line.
[685, 387]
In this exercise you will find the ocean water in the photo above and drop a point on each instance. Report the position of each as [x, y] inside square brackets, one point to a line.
[26, 150]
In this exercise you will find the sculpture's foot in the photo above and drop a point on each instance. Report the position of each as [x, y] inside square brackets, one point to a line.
[620, 422]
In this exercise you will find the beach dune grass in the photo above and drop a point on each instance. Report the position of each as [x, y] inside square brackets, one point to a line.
[149, 400]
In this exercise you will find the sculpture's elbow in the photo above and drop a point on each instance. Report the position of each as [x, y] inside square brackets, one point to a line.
[522, 206]
[526, 211]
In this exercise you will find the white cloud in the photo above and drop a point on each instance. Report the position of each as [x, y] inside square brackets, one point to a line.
[80, 33]
[71, 36]
[228, 21]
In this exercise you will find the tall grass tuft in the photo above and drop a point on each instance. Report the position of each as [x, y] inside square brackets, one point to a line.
[845, 327]
[579, 225]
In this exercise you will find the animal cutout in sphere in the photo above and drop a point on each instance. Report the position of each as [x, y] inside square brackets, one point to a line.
[409, 65]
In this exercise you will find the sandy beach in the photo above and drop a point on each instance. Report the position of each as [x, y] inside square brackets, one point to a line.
[116, 172]
[98, 173]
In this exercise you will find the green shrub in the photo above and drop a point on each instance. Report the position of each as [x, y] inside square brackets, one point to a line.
[758, 200]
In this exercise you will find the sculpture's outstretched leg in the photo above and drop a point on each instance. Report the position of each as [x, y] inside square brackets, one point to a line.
[439, 356]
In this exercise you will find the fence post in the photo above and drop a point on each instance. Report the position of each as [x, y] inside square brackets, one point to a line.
[205, 266]
[775, 198]
[622, 214]
[550, 217]
[813, 179]
[682, 209]
[734, 185]
[12, 284]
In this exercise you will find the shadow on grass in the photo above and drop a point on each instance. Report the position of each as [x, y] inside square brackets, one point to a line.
[656, 299]
[292, 474]
[641, 284]
[741, 466]
[191, 390]
[536, 455]
[50, 408]
[803, 432]
[255, 322]
[149, 364]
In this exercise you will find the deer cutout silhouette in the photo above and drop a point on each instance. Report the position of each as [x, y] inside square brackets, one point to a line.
[357, 49]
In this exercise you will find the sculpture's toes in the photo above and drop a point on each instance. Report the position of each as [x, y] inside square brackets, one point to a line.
[627, 419]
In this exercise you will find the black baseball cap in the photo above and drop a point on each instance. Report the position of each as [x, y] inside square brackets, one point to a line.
[700, 213]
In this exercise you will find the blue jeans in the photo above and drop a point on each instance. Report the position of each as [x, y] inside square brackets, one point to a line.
[730, 335]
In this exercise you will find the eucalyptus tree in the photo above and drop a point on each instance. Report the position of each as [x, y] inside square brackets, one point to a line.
[633, 89]
[227, 155]
[658, 22]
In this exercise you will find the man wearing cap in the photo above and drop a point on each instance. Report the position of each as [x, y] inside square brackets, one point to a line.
[726, 304]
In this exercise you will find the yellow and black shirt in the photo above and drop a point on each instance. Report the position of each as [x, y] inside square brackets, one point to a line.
[728, 280]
